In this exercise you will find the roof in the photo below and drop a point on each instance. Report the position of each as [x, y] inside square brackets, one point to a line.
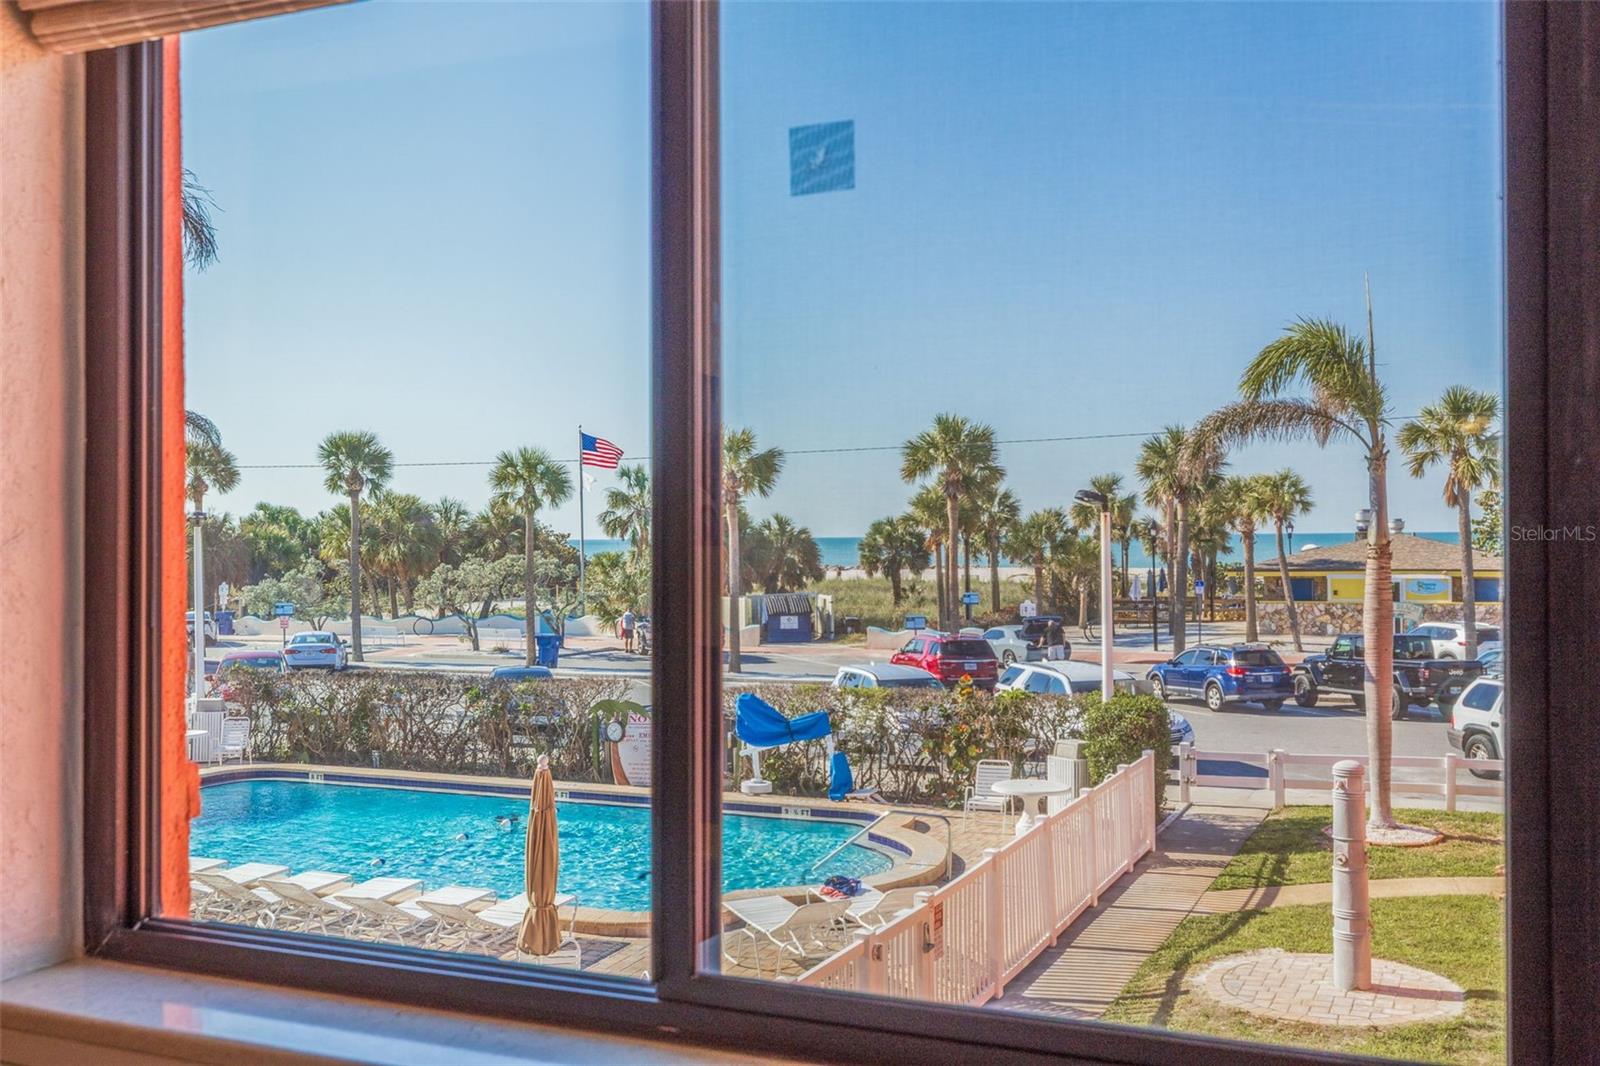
[788, 602]
[235, 656]
[1411, 552]
[1073, 670]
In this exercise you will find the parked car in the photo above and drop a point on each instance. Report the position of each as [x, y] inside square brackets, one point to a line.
[209, 623]
[236, 661]
[1010, 645]
[1060, 678]
[1036, 631]
[951, 658]
[1419, 679]
[521, 673]
[1492, 660]
[316, 649]
[1477, 722]
[1223, 674]
[885, 675]
[1449, 639]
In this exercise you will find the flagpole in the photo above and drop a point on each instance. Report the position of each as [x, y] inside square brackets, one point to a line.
[583, 553]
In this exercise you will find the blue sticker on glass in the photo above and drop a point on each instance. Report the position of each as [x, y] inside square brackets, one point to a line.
[822, 158]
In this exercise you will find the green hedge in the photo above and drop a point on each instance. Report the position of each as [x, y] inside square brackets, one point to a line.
[912, 745]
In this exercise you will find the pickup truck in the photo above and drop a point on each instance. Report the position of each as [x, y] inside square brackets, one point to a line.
[1419, 678]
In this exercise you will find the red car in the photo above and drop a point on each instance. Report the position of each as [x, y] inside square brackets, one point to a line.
[952, 658]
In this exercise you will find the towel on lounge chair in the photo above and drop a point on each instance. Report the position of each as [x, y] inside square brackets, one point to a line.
[761, 725]
[841, 782]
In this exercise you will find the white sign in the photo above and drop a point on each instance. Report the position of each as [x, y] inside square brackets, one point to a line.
[283, 623]
[788, 621]
[1199, 587]
[630, 759]
[1027, 609]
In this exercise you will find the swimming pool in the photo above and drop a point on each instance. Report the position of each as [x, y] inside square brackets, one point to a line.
[450, 838]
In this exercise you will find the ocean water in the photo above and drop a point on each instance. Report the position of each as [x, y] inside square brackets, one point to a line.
[446, 838]
[843, 551]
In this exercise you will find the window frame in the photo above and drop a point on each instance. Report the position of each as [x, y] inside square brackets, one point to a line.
[1550, 228]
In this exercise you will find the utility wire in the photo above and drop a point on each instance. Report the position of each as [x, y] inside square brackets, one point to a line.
[787, 451]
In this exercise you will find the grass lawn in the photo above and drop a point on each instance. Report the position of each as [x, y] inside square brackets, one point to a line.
[1290, 848]
[871, 599]
[1461, 937]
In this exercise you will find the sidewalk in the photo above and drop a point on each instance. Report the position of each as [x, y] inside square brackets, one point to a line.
[1228, 900]
[1097, 955]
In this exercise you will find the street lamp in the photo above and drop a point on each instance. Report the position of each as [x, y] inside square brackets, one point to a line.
[1152, 533]
[1099, 500]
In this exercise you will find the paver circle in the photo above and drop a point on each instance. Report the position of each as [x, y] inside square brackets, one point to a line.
[1294, 987]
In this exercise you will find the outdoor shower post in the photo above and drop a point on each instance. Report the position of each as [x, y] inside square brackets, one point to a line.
[1352, 926]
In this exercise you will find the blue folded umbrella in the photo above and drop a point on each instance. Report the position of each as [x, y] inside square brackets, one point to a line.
[840, 779]
[761, 725]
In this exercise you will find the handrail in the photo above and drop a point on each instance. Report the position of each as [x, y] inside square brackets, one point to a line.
[949, 837]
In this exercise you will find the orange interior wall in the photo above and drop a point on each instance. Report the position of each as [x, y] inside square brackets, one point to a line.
[180, 778]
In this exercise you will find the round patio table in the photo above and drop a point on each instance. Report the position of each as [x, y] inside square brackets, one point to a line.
[1032, 792]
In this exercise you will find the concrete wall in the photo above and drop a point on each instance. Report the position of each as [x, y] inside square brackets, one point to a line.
[41, 459]
[1319, 618]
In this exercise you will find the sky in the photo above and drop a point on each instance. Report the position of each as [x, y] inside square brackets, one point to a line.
[1067, 221]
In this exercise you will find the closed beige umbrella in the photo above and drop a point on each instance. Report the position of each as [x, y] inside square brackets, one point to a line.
[541, 931]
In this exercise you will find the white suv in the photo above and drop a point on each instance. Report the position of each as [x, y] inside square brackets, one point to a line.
[1477, 722]
[1450, 638]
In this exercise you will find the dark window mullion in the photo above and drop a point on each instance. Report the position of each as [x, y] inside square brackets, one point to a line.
[686, 432]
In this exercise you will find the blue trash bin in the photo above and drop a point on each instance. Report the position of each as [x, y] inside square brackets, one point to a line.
[224, 623]
[549, 649]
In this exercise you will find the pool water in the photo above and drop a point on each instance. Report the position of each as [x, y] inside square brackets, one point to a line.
[444, 838]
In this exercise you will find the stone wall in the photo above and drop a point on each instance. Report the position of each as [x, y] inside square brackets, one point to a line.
[1328, 619]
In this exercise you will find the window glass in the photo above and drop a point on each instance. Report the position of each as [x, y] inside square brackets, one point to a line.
[1009, 677]
[937, 217]
[1257, 657]
[1482, 696]
[1038, 681]
[416, 360]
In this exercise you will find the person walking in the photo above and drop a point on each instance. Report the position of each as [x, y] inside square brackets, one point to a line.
[629, 621]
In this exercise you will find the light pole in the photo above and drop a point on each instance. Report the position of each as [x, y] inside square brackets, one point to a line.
[1099, 499]
[199, 519]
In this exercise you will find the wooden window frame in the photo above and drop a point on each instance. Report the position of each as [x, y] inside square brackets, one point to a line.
[1553, 340]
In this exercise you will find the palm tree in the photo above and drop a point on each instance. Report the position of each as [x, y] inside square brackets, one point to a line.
[627, 513]
[1244, 504]
[1122, 531]
[746, 471]
[524, 481]
[405, 542]
[1087, 515]
[1061, 540]
[927, 509]
[1283, 496]
[354, 461]
[893, 545]
[1158, 466]
[208, 466]
[1029, 540]
[1457, 431]
[997, 511]
[453, 521]
[789, 559]
[198, 429]
[957, 455]
[1344, 400]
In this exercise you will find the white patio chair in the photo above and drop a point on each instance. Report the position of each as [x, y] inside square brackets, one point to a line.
[806, 930]
[234, 741]
[980, 794]
[307, 909]
[495, 927]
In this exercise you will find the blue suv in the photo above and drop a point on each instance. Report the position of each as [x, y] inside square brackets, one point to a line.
[1238, 673]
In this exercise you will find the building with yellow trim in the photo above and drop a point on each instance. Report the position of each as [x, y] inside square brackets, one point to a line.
[1425, 571]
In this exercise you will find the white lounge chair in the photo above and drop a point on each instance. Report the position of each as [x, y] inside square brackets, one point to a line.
[397, 923]
[493, 928]
[806, 930]
[307, 909]
[233, 901]
[980, 794]
[878, 910]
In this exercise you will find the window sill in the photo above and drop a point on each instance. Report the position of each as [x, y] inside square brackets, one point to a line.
[150, 1015]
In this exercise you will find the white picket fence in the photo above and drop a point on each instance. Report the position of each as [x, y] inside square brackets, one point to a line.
[962, 942]
[1285, 770]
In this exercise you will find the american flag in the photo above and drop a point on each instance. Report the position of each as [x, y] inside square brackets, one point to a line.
[597, 451]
